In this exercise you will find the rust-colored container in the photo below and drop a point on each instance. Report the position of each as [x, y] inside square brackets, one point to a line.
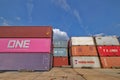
[109, 50]
[60, 61]
[109, 62]
[26, 31]
[83, 51]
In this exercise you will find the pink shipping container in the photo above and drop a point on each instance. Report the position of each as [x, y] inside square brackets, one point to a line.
[109, 50]
[42, 45]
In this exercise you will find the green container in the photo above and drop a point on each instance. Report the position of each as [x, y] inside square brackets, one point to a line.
[60, 52]
[60, 43]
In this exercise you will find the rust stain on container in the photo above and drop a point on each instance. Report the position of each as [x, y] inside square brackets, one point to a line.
[60, 61]
[26, 31]
[83, 51]
[109, 62]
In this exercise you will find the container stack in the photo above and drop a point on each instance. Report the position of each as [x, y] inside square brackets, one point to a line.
[109, 51]
[60, 53]
[119, 39]
[83, 53]
[25, 48]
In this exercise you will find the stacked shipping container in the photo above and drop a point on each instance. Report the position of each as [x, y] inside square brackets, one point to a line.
[25, 47]
[119, 39]
[83, 52]
[109, 51]
[60, 53]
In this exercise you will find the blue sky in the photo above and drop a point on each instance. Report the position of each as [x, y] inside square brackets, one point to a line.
[75, 17]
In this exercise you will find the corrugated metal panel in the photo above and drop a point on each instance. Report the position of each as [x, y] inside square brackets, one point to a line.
[82, 41]
[25, 45]
[119, 39]
[26, 31]
[109, 50]
[85, 61]
[109, 62]
[60, 61]
[84, 51]
[60, 43]
[60, 52]
[109, 40]
[27, 61]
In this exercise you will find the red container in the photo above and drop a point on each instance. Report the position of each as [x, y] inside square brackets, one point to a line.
[109, 62]
[109, 50]
[26, 31]
[60, 61]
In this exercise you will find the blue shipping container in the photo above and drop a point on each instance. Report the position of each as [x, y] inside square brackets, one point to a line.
[60, 52]
[60, 43]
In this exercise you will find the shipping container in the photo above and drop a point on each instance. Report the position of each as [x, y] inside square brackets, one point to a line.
[109, 62]
[27, 61]
[119, 39]
[82, 41]
[60, 61]
[109, 50]
[26, 31]
[25, 45]
[85, 62]
[60, 52]
[108, 40]
[60, 43]
[83, 51]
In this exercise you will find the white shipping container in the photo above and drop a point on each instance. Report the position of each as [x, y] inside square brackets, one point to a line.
[85, 61]
[108, 40]
[82, 41]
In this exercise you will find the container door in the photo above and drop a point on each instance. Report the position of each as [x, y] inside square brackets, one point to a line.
[46, 61]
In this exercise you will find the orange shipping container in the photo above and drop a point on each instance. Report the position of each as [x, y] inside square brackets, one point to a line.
[60, 61]
[83, 51]
[109, 62]
[26, 31]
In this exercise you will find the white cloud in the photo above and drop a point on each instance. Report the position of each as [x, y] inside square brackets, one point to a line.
[2, 18]
[100, 34]
[63, 4]
[117, 25]
[30, 6]
[4, 21]
[59, 35]
[77, 15]
[18, 18]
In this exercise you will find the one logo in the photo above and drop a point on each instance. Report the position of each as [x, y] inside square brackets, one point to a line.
[18, 44]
